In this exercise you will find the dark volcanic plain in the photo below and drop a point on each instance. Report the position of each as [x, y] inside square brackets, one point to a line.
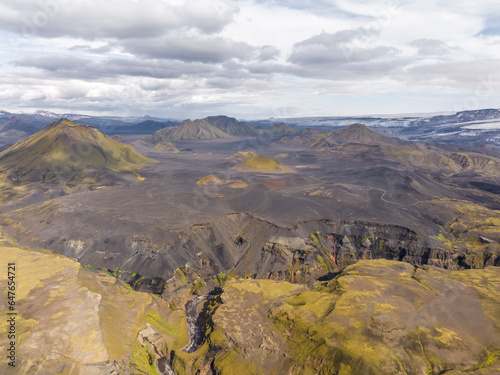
[151, 227]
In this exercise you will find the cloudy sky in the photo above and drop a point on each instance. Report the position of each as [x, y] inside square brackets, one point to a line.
[249, 59]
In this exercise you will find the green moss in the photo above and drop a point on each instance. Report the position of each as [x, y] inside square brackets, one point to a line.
[155, 319]
[232, 362]
[143, 360]
[316, 238]
[322, 262]
[444, 240]
[262, 162]
[209, 180]
[196, 287]
[381, 246]
[181, 275]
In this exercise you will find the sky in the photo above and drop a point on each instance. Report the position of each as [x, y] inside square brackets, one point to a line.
[250, 59]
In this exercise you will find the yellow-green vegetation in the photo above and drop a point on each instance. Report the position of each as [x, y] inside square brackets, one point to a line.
[68, 316]
[323, 256]
[475, 229]
[253, 162]
[238, 184]
[281, 156]
[376, 317]
[369, 320]
[238, 324]
[262, 162]
[210, 180]
[70, 152]
[166, 146]
[197, 286]
[181, 275]
[143, 360]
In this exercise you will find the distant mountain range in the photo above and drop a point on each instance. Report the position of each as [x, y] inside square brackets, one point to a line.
[466, 127]
[16, 123]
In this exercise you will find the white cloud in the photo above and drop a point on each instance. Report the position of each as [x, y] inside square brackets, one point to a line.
[251, 55]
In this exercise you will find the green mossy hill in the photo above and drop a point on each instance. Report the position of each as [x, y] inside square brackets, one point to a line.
[253, 162]
[70, 152]
[210, 180]
[166, 146]
[263, 162]
[197, 130]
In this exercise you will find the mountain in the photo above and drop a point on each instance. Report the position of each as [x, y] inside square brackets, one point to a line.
[144, 127]
[197, 130]
[463, 116]
[16, 123]
[360, 133]
[325, 140]
[231, 126]
[281, 129]
[70, 152]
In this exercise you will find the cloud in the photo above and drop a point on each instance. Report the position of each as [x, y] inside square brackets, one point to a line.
[228, 55]
[460, 75]
[54, 63]
[320, 7]
[268, 53]
[431, 47]
[69, 67]
[94, 19]
[87, 48]
[190, 47]
[343, 55]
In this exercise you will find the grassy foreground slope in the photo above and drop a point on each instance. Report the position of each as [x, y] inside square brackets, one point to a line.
[375, 317]
[74, 321]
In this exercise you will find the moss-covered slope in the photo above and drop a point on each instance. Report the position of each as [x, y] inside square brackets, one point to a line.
[250, 162]
[70, 152]
[376, 317]
[70, 320]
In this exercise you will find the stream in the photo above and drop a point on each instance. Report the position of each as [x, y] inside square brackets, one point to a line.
[164, 367]
[195, 332]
